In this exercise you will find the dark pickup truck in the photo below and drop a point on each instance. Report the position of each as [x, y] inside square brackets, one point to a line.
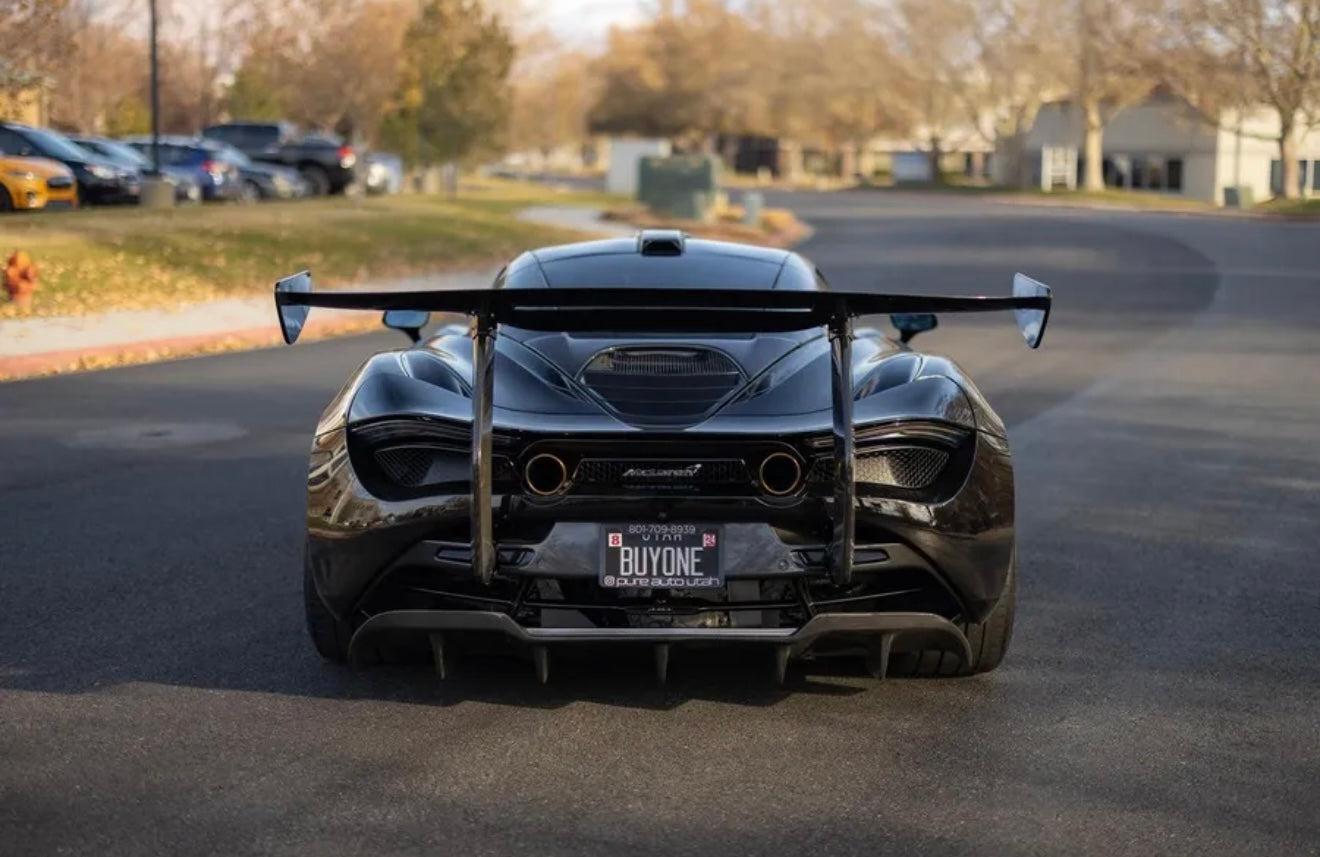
[325, 161]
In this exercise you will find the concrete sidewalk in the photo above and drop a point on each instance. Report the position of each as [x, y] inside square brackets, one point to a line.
[39, 346]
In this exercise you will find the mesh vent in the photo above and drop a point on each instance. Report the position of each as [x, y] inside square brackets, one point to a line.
[904, 466]
[413, 466]
[406, 465]
[911, 467]
[662, 385]
[619, 472]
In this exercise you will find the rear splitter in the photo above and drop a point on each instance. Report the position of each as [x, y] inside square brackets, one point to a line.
[878, 630]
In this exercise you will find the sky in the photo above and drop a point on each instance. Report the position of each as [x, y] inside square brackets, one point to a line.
[584, 23]
[579, 24]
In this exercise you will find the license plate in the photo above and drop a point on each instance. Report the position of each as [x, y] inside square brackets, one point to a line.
[660, 556]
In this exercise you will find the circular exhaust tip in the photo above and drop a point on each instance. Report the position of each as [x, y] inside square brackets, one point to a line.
[780, 474]
[545, 474]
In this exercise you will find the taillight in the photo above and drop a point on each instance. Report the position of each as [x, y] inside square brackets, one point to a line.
[347, 157]
[215, 168]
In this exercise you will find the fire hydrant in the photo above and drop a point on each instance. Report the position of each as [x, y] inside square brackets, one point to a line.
[21, 279]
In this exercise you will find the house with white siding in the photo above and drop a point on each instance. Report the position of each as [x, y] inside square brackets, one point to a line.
[1162, 145]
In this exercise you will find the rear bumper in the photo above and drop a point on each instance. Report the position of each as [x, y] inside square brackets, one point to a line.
[355, 539]
[885, 630]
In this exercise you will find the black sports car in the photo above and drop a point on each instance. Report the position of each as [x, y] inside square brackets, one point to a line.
[659, 441]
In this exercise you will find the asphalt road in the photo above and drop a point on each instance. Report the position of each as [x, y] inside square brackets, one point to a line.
[1162, 694]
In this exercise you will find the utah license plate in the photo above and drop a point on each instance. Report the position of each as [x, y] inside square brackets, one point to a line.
[660, 556]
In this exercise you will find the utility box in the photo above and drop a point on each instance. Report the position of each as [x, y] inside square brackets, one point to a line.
[684, 186]
[625, 157]
[1239, 196]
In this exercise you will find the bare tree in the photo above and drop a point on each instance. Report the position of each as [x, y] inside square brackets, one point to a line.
[1023, 61]
[938, 64]
[1257, 51]
[30, 40]
[826, 74]
[1118, 49]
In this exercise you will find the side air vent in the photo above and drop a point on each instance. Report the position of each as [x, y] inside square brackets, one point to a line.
[908, 467]
[403, 458]
[662, 386]
[902, 466]
[410, 465]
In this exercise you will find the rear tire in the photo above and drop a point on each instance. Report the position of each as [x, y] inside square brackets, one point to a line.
[329, 635]
[6, 204]
[988, 639]
[318, 180]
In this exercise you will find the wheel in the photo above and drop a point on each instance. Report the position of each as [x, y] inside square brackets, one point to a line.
[329, 635]
[318, 180]
[6, 203]
[989, 641]
[251, 192]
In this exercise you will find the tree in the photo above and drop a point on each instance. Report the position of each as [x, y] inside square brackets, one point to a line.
[1263, 51]
[693, 72]
[31, 38]
[453, 99]
[328, 64]
[551, 100]
[254, 96]
[1022, 61]
[829, 73]
[938, 64]
[1118, 50]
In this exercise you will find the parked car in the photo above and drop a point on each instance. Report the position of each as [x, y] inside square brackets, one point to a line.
[261, 181]
[325, 161]
[219, 179]
[384, 173]
[100, 180]
[186, 187]
[32, 183]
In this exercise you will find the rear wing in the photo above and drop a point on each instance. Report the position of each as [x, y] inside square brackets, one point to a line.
[652, 310]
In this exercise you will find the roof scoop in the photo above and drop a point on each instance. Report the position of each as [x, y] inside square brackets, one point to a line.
[661, 242]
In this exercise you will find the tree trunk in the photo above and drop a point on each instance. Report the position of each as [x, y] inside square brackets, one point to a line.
[1290, 169]
[1093, 149]
[936, 160]
[847, 161]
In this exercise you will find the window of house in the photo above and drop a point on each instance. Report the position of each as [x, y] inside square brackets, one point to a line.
[1154, 173]
[1315, 175]
[1173, 174]
[1276, 176]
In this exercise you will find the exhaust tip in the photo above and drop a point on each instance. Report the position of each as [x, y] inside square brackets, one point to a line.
[545, 474]
[780, 474]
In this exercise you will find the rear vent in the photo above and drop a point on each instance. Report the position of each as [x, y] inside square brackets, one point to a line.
[910, 467]
[902, 466]
[667, 386]
[407, 465]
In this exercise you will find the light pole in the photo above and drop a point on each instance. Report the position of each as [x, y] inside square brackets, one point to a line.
[156, 191]
[155, 95]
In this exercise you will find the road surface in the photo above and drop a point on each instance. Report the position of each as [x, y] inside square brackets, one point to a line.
[1162, 694]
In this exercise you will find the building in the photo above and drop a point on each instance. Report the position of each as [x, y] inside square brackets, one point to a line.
[1162, 145]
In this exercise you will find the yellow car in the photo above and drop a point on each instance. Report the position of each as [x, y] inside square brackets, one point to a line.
[31, 183]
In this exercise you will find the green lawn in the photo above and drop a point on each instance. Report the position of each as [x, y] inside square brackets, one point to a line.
[133, 258]
[1124, 198]
[1292, 207]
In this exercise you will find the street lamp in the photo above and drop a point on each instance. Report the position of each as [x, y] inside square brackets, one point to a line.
[157, 192]
[155, 95]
